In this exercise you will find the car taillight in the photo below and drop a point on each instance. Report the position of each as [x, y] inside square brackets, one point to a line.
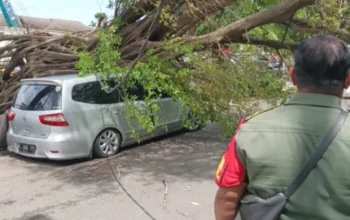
[53, 120]
[11, 115]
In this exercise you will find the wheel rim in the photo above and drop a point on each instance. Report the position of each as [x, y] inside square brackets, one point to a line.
[194, 120]
[109, 142]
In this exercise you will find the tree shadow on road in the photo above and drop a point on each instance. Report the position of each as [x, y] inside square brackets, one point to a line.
[180, 157]
[189, 156]
[184, 158]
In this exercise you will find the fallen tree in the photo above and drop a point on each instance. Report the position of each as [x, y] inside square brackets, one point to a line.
[127, 40]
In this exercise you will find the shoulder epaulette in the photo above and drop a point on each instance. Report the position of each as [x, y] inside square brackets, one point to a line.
[258, 113]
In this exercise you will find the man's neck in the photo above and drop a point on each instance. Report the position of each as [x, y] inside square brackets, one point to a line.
[333, 92]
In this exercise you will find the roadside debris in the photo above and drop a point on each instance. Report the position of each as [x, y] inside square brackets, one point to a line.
[165, 192]
[181, 213]
[194, 203]
[188, 188]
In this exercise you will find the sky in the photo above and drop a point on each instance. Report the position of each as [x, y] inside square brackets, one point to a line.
[78, 10]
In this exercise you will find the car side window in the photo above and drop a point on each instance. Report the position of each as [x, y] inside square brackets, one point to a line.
[165, 95]
[162, 94]
[92, 93]
[138, 91]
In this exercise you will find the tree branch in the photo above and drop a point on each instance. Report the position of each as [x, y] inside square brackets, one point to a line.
[134, 12]
[52, 55]
[275, 44]
[234, 31]
[198, 10]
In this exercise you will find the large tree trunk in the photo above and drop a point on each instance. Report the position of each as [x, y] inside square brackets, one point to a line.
[51, 55]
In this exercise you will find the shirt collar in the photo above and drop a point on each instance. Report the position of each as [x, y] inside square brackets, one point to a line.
[315, 99]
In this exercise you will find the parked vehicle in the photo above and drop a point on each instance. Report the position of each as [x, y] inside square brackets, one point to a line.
[67, 117]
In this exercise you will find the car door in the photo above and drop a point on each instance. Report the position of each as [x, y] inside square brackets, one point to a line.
[114, 109]
[124, 124]
[168, 114]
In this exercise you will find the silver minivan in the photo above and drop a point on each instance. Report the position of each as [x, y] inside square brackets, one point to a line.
[67, 117]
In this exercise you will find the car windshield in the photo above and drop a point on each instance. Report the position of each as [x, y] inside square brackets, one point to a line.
[39, 97]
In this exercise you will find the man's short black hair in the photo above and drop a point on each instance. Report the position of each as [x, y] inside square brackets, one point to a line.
[322, 61]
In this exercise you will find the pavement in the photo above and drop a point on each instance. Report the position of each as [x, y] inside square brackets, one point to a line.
[131, 185]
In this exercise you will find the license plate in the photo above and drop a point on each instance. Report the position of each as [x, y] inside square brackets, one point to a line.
[27, 148]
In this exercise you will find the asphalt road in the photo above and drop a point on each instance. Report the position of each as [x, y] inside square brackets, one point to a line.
[186, 162]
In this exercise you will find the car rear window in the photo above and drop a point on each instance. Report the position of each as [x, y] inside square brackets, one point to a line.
[39, 97]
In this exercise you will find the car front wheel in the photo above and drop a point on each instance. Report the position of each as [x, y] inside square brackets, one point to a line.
[194, 122]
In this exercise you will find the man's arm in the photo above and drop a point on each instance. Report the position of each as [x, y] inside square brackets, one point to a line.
[231, 179]
[227, 202]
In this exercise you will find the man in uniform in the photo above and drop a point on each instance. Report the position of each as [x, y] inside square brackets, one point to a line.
[270, 148]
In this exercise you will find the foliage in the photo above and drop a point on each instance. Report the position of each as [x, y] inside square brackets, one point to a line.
[325, 15]
[242, 9]
[206, 85]
[93, 24]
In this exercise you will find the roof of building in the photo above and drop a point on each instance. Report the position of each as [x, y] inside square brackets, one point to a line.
[49, 24]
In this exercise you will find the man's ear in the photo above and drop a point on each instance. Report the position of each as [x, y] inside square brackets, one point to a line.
[347, 82]
[293, 76]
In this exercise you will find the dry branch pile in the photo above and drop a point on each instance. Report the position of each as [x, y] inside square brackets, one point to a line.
[36, 55]
[42, 55]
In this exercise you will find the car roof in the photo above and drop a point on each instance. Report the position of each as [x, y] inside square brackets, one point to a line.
[64, 78]
[60, 79]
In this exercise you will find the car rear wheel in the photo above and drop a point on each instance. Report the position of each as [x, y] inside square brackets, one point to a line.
[107, 143]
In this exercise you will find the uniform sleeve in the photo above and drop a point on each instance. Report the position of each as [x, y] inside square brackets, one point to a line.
[231, 171]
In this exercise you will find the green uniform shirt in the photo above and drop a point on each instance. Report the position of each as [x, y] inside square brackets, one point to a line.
[274, 145]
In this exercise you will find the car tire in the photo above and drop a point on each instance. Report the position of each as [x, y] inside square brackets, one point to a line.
[196, 122]
[107, 143]
[91, 154]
